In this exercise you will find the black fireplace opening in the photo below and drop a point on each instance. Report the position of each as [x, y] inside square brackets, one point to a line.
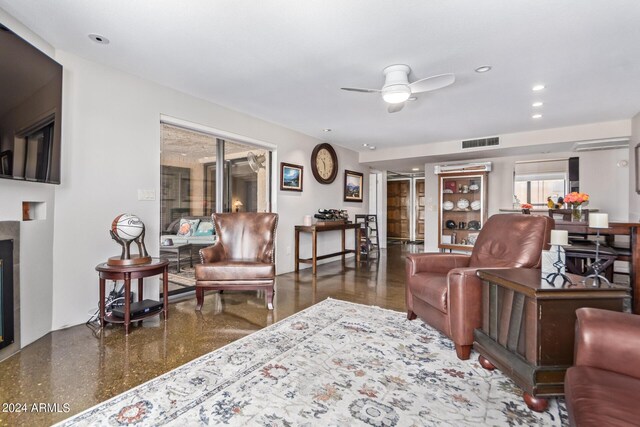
[6, 293]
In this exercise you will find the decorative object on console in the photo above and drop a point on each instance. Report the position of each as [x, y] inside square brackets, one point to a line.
[237, 204]
[127, 228]
[332, 215]
[559, 238]
[290, 177]
[353, 182]
[597, 221]
[575, 201]
[324, 163]
[526, 208]
[308, 220]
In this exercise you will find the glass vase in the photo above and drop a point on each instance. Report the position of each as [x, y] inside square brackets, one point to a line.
[576, 213]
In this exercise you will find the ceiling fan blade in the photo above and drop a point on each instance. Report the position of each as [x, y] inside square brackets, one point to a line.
[432, 83]
[394, 108]
[355, 89]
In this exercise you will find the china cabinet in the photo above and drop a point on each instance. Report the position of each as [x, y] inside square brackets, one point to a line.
[462, 209]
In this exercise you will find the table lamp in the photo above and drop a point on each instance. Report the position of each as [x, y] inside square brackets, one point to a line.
[559, 238]
[237, 204]
[598, 221]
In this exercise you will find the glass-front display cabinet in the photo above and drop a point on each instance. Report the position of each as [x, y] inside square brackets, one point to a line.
[463, 209]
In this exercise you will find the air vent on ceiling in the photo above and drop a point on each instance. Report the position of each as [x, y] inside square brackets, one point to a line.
[482, 142]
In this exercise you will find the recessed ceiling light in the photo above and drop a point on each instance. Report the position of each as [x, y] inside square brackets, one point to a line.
[483, 69]
[536, 116]
[412, 98]
[371, 147]
[99, 39]
[326, 130]
[537, 88]
[537, 104]
[183, 154]
[415, 169]
[365, 145]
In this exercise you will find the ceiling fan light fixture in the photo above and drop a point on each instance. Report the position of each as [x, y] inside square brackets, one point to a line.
[395, 94]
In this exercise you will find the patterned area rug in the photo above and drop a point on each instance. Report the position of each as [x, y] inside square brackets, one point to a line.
[335, 363]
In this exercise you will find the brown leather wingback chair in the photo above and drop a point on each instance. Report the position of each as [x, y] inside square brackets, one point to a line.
[443, 289]
[243, 257]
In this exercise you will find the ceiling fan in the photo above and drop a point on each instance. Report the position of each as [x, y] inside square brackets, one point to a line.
[397, 89]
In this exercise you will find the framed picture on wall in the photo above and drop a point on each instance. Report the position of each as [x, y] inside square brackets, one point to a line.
[353, 186]
[290, 177]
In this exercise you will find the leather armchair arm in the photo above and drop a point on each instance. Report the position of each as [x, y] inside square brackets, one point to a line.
[608, 340]
[214, 253]
[435, 262]
[465, 303]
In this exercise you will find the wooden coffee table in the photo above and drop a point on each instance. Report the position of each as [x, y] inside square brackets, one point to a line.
[528, 327]
[177, 253]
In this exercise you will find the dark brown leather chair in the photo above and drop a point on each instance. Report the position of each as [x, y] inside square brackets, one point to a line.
[243, 257]
[603, 386]
[443, 289]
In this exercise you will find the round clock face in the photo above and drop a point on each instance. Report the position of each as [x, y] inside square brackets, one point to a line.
[324, 163]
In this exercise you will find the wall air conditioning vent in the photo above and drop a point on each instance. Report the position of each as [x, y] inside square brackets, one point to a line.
[482, 142]
[602, 144]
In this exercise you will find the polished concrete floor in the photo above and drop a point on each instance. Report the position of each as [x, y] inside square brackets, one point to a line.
[76, 368]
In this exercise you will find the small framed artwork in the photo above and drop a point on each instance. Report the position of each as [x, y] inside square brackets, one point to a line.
[290, 177]
[353, 186]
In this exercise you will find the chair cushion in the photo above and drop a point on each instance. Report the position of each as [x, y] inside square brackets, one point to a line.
[235, 270]
[430, 288]
[596, 397]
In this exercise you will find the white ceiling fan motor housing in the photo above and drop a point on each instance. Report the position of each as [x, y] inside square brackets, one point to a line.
[396, 85]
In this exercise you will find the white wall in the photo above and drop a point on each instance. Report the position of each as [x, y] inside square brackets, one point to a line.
[111, 143]
[600, 176]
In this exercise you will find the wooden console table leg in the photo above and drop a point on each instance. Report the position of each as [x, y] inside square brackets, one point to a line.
[127, 302]
[297, 250]
[314, 251]
[101, 302]
[140, 289]
[344, 247]
[538, 404]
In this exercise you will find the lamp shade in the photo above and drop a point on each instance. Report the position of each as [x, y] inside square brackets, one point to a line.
[395, 94]
[599, 220]
[559, 237]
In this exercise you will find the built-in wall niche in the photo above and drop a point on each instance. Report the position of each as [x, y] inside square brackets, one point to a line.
[34, 211]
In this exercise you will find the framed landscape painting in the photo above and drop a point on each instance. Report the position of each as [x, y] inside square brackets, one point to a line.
[352, 186]
[290, 177]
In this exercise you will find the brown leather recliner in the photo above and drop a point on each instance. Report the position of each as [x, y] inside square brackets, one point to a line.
[243, 257]
[443, 289]
[603, 386]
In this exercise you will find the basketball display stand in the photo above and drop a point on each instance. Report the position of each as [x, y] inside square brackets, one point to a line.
[125, 229]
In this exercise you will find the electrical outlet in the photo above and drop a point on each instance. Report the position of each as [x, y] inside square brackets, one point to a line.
[146, 195]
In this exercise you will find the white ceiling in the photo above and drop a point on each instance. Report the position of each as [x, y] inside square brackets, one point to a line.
[285, 60]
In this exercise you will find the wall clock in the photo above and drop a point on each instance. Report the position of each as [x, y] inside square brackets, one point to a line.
[324, 163]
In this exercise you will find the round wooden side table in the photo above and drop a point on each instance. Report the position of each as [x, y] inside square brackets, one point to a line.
[127, 273]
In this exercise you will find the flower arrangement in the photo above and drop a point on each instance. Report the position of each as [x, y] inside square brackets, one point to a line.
[526, 206]
[576, 199]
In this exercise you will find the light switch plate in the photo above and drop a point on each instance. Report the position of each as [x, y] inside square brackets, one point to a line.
[146, 195]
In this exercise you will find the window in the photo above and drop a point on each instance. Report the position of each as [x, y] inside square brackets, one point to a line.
[535, 181]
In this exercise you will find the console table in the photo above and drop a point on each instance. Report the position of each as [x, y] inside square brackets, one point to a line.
[126, 273]
[528, 327]
[314, 230]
